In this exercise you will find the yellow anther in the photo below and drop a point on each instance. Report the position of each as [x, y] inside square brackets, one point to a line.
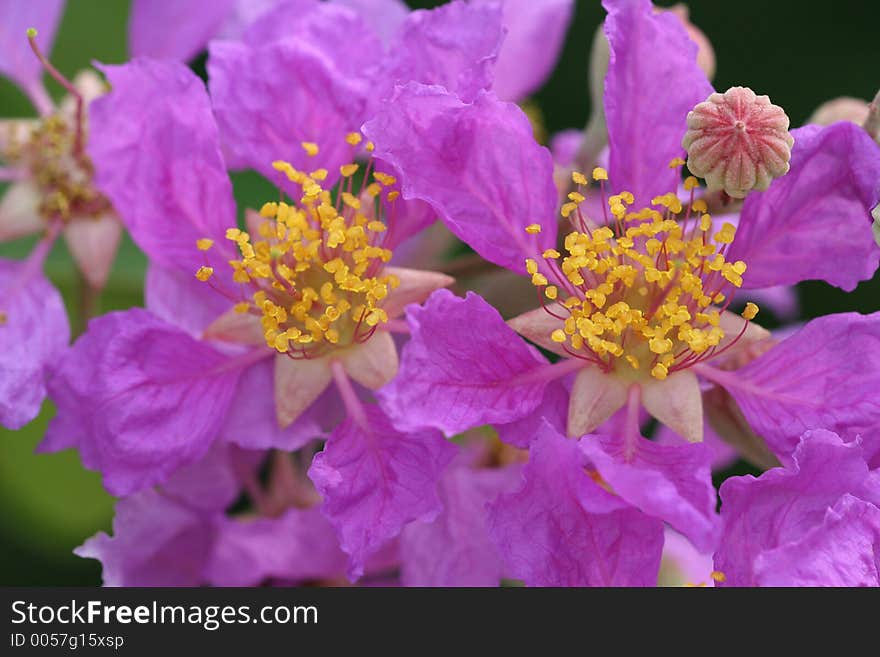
[718, 576]
[551, 292]
[351, 201]
[233, 234]
[204, 244]
[369, 147]
[691, 183]
[726, 234]
[384, 178]
[539, 280]
[348, 170]
[551, 254]
[699, 206]
[567, 209]
[531, 266]
[578, 178]
[750, 312]
[633, 361]
[353, 138]
[242, 307]
[558, 336]
[376, 226]
[600, 174]
[659, 371]
[393, 196]
[204, 273]
[319, 174]
[310, 147]
[660, 345]
[705, 222]
[576, 197]
[676, 162]
[533, 229]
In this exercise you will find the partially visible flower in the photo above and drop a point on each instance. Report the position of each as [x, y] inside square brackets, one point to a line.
[814, 523]
[854, 110]
[683, 565]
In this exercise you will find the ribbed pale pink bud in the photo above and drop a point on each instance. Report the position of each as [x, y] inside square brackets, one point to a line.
[854, 110]
[738, 141]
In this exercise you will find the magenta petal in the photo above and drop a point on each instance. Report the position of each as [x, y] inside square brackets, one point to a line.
[459, 370]
[270, 99]
[170, 29]
[810, 523]
[155, 542]
[33, 334]
[139, 399]
[843, 551]
[825, 376]
[454, 549]
[299, 546]
[653, 81]
[815, 222]
[670, 482]
[384, 16]
[453, 46]
[477, 164]
[181, 299]
[213, 482]
[376, 481]
[165, 176]
[17, 60]
[535, 35]
[252, 421]
[553, 409]
[562, 529]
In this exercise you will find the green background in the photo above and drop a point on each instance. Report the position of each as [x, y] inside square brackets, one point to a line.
[798, 53]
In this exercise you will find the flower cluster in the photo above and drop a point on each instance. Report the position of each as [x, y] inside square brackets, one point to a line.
[309, 397]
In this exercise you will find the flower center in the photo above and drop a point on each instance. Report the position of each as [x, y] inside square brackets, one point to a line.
[645, 292]
[63, 176]
[313, 272]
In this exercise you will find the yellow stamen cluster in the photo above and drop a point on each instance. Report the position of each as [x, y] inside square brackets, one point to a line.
[64, 178]
[315, 268]
[644, 289]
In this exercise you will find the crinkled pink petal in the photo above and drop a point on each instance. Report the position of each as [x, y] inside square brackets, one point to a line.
[33, 335]
[170, 29]
[814, 222]
[478, 165]
[769, 520]
[155, 542]
[459, 370]
[722, 454]
[454, 46]
[268, 100]
[375, 480]
[653, 81]
[213, 482]
[670, 482]
[166, 177]
[535, 36]
[562, 529]
[454, 549]
[139, 399]
[384, 16]
[552, 410]
[299, 546]
[825, 376]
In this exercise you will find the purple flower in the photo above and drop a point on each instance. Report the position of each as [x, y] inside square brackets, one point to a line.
[493, 187]
[143, 393]
[816, 523]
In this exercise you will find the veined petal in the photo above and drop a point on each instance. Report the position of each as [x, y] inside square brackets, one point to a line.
[676, 402]
[297, 384]
[671, 482]
[33, 334]
[415, 286]
[454, 46]
[384, 16]
[181, 299]
[139, 398]
[232, 326]
[561, 528]
[653, 81]
[459, 370]
[461, 158]
[824, 376]
[166, 176]
[595, 397]
[93, 243]
[373, 363]
[375, 480]
[814, 222]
